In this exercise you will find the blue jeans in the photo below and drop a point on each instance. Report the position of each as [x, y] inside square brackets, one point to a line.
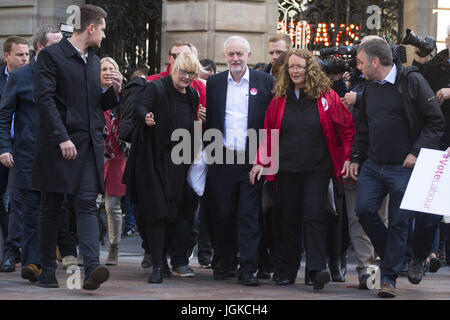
[130, 222]
[374, 182]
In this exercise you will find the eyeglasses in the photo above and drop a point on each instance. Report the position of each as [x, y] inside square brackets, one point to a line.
[294, 68]
[184, 73]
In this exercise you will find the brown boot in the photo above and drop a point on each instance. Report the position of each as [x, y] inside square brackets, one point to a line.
[113, 255]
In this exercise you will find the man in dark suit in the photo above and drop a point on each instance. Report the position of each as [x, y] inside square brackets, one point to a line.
[16, 54]
[237, 100]
[18, 101]
[278, 44]
[70, 145]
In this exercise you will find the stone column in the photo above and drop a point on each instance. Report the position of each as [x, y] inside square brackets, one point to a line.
[208, 23]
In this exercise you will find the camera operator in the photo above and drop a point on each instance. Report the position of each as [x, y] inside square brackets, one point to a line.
[437, 73]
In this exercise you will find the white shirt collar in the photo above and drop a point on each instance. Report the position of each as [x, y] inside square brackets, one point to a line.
[245, 77]
[80, 52]
[6, 72]
[390, 76]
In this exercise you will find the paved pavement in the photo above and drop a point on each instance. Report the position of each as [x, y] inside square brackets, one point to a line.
[128, 281]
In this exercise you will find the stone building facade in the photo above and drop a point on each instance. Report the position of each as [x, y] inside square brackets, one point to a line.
[205, 23]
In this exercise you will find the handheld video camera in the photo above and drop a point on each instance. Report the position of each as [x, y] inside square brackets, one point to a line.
[340, 64]
[425, 45]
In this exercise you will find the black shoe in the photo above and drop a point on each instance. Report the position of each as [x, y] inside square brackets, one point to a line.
[434, 265]
[8, 264]
[47, 279]
[232, 273]
[96, 278]
[320, 279]
[336, 272]
[146, 261]
[308, 280]
[156, 276]
[220, 274]
[128, 232]
[166, 271]
[285, 282]
[403, 273]
[363, 282]
[415, 270]
[261, 274]
[276, 276]
[247, 279]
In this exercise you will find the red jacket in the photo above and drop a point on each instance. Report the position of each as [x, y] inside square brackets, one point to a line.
[114, 167]
[196, 84]
[337, 124]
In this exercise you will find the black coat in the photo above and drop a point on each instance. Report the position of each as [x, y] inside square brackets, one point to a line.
[149, 182]
[3, 170]
[70, 101]
[437, 73]
[18, 99]
[2, 79]
[423, 115]
[131, 94]
[216, 99]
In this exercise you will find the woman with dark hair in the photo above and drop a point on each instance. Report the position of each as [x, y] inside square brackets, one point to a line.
[155, 181]
[315, 139]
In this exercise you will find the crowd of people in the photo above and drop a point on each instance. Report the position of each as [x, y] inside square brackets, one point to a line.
[330, 168]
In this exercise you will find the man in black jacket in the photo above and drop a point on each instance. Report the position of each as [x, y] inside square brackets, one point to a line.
[18, 101]
[391, 133]
[437, 72]
[70, 145]
[16, 53]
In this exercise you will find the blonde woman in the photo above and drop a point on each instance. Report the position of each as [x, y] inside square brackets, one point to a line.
[155, 183]
[315, 140]
[114, 168]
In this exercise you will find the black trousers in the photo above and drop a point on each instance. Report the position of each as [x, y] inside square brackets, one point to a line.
[84, 202]
[301, 198]
[171, 236]
[233, 214]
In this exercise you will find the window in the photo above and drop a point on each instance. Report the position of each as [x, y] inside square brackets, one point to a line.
[443, 20]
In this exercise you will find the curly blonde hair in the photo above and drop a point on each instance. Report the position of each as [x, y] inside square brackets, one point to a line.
[317, 81]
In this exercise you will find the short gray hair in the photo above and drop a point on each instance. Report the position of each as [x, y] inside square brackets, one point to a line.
[40, 35]
[237, 38]
[377, 48]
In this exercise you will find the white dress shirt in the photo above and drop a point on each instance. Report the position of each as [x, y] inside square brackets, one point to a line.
[390, 76]
[236, 113]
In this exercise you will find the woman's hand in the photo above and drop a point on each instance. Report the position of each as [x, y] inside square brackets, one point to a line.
[346, 170]
[257, 170]
[150, 119]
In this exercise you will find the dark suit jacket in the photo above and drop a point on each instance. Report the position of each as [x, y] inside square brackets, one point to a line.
[18, 98]
[3, 170]
[69, 98]
[216, 98]
[2, 79]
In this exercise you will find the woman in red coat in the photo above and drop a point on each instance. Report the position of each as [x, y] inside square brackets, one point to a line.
[315, 139]
[114, 167]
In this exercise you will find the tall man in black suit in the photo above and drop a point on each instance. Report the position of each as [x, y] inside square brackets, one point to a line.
[18, 101]
[16, 54]
[69, 152]
[237, 100]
